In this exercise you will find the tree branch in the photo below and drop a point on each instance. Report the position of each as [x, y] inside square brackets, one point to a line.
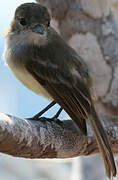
[51, 139]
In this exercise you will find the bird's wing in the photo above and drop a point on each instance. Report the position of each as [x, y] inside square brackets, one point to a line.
[67, 90]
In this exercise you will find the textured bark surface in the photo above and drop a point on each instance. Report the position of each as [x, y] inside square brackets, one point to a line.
[91, 28]
[49, 139]
[114, 4]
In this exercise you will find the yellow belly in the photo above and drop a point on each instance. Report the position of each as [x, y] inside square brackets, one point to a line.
[28, 80]
[19, 70]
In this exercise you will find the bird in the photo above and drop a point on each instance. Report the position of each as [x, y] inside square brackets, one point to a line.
[41, 59]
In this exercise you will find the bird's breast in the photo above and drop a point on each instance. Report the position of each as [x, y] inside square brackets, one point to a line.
[17, 67]
[29, 81]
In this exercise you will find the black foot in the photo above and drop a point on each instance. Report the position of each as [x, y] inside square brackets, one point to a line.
[33, 119]
[36, 117]
[57, 121]
[54, 118]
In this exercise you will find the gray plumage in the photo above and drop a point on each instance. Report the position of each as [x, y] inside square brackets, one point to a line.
[44, 63]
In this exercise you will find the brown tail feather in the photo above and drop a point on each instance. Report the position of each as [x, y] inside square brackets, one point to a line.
[103, 144]
[79, 108]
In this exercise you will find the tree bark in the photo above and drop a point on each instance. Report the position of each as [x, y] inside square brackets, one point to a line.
[91, 28]
[114, 4]
[47, 138]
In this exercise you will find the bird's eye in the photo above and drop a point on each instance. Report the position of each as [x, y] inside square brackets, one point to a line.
[22, 21]
[48, 24]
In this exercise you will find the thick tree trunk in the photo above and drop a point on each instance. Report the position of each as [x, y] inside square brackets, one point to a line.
[114, 4]
[91, 28]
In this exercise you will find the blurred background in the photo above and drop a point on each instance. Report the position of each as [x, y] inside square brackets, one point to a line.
[17, 100]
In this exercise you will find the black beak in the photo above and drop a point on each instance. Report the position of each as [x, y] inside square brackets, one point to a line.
[38, 29]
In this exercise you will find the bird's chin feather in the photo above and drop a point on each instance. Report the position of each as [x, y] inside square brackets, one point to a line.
[25, 37]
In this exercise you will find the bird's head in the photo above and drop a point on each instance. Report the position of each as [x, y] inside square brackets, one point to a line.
[30, 18]
[29, 27]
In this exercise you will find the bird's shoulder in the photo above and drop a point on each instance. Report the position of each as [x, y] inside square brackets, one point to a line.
[57, 60]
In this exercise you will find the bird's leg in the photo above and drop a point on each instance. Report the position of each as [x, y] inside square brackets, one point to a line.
[43, 111]
[57, 114]
[55, 117]
[36, 117]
